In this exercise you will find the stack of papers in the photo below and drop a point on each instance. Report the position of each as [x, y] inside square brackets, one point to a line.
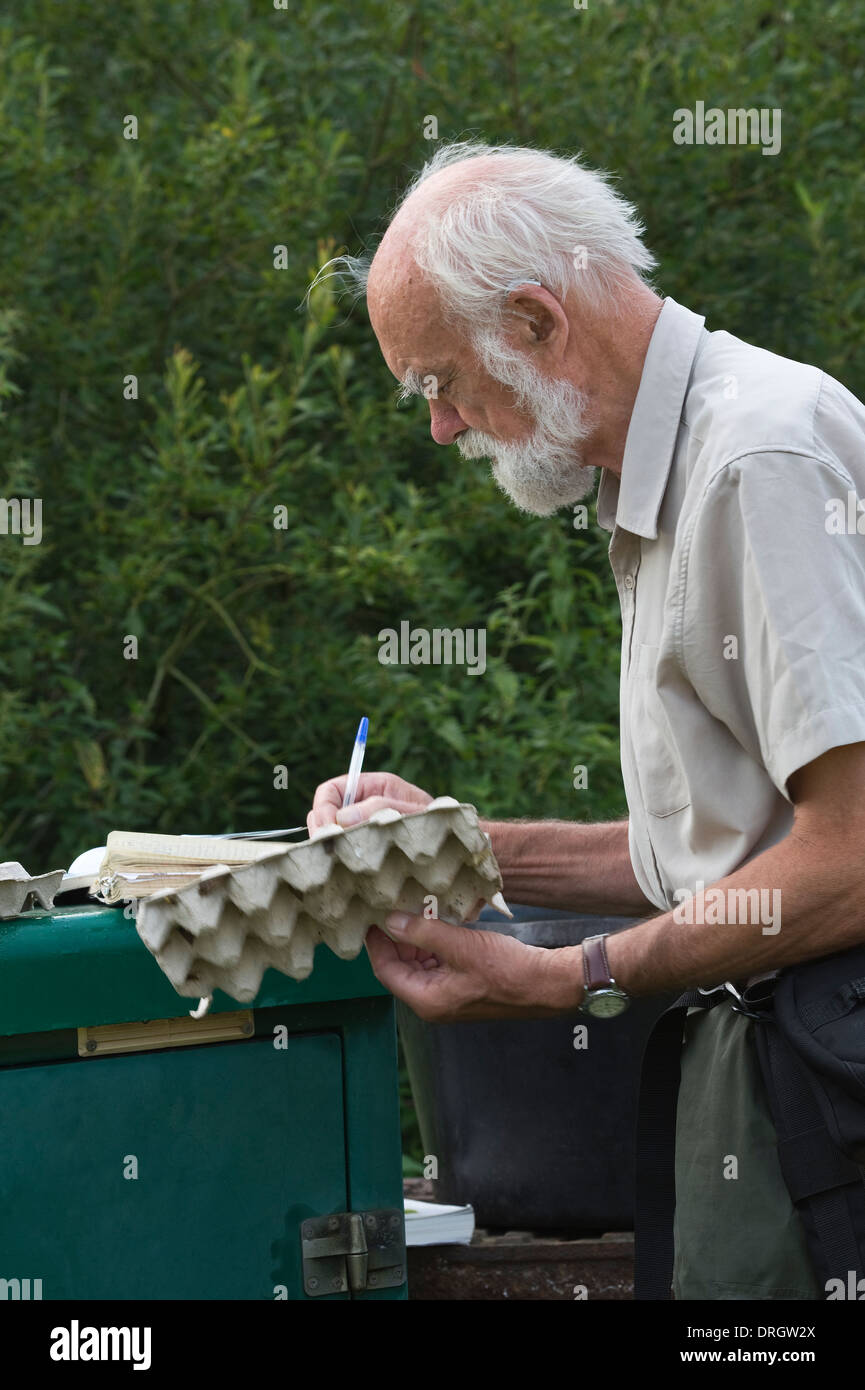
[430, 1223]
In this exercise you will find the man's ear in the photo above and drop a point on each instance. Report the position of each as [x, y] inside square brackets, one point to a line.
[537, 317]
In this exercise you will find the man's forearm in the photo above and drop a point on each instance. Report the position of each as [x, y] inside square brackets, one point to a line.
[810, 898]
[565, 864]
[800, 899]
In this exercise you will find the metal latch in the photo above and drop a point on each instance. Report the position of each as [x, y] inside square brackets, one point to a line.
[155, 1033]
[356, 1250]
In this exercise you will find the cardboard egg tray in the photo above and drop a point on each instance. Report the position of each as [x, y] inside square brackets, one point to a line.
[224, 930]
[19, 889]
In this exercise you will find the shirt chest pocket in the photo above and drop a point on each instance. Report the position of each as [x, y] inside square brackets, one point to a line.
[659, 768]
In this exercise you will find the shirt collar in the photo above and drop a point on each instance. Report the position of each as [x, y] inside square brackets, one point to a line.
[633, 502]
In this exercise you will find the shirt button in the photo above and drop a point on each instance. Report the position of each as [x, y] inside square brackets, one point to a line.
[629, 581]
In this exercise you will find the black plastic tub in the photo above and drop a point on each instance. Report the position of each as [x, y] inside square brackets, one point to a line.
[534, 1132]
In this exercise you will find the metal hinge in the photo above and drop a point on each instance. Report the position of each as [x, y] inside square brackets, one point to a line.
[356, 1250]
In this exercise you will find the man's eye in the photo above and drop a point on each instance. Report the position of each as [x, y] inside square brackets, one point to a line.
[442, 390]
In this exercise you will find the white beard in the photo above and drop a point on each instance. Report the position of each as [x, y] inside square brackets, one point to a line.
[545, 471]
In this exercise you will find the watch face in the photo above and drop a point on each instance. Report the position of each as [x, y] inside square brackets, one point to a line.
[606, 1003]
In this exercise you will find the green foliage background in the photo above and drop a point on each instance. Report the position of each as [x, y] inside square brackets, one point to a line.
[259, 127]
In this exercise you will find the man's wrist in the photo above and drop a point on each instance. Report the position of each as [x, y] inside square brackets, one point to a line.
[562, 985]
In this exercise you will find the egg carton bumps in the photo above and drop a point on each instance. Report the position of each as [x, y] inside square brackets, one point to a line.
[224, 930]
[19, 890]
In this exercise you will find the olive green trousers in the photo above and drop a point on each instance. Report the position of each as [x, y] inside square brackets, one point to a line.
[737, 1234]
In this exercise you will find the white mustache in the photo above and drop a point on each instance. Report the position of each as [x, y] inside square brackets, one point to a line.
[474, 444]
[546, 470]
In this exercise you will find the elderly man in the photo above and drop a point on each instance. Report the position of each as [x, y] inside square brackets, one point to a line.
[510, 289]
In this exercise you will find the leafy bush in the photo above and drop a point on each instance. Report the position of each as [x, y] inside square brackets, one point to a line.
[154, 257]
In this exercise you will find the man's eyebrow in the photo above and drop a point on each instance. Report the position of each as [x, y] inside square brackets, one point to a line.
[411, 385]
[413, 382]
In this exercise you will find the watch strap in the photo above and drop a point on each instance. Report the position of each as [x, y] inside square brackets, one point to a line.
[596, 967]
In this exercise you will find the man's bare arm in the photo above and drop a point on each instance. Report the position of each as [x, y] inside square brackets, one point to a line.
[446, 973]
[565, 864]
[817, 872]
[545, 863]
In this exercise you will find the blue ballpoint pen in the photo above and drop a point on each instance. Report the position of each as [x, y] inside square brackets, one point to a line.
[356, 763]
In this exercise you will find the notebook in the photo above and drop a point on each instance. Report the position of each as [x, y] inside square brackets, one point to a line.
[134, 863]
[431, 1223]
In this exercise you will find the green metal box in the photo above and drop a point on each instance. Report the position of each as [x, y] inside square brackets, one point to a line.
[137, 1165]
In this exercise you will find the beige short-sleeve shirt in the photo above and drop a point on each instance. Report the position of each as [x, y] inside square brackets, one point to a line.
[738, 547]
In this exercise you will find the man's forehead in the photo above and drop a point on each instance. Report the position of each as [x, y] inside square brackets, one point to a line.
[397, 286]
[413, 325]
[419, 345]
[406, 312]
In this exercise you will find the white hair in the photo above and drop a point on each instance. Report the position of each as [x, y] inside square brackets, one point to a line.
[545, 470]
[523, 215]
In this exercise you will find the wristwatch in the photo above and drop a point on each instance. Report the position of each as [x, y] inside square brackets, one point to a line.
[602, 997]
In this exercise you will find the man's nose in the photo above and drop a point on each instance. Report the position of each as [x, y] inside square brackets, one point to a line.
[445, 423]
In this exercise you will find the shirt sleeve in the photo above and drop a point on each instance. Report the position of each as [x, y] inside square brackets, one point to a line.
[772, 607]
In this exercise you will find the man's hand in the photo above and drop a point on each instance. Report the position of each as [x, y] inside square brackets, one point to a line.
[448, 974]
[375, 791]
